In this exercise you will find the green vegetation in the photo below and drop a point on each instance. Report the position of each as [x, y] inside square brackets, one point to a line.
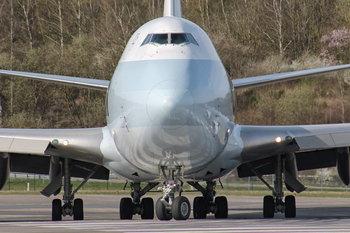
[86, 38]
[37, 184]
[254, 187]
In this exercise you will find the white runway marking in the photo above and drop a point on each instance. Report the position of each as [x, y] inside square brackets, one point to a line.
[192, 226]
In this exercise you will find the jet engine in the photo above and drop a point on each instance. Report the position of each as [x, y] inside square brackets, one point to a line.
[343, 164]
[4, 169]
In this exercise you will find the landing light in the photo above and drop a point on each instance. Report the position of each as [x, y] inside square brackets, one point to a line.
[278, 139]
[65, 142]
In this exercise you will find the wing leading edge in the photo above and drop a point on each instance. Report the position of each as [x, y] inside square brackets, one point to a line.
[263, 80]
[79, 144]
[262, 141]
[96, 84]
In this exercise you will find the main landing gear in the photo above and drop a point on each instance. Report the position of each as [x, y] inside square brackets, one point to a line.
[206, 204]
[131, 206]
[274, 204]
[72, 207]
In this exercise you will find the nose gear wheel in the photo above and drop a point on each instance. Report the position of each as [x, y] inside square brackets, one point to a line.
[181, 208]
[168, 206]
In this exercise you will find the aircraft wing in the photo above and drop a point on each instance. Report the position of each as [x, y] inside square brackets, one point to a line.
[97, 84]
[263, 80]
[262, 141]
[78, 144]
[315, 146]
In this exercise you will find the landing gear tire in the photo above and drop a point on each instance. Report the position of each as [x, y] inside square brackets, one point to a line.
[269, 207]
[290, 210]
[161, 212]
[147, 208]
[181, 208]
[126, 208]
[56, 210]
[78, 209]
[221, 207]
[199, 208]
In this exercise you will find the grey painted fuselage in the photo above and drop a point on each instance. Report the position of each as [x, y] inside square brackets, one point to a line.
[170, 109]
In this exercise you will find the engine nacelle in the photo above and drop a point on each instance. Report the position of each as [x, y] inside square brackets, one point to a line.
[4, 169]
[343, 165]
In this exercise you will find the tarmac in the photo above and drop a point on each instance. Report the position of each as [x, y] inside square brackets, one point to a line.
[32, 213]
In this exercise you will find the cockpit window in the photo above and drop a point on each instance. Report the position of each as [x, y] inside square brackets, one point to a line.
[179, 38]
[192, 39]
[148, 38]
[160, 38]
[170, 38]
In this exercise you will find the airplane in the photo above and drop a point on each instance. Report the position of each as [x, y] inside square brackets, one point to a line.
[170, 110]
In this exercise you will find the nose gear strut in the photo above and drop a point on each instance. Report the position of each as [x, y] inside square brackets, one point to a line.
[167, 206]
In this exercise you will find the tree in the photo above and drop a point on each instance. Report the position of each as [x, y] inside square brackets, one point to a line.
[335, 52]
[275, 18]
[87, 37]
[26, 12]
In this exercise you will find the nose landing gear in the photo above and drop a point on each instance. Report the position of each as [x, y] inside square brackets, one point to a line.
[168, 207]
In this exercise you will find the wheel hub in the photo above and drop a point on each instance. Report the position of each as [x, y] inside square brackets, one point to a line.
[184, 208]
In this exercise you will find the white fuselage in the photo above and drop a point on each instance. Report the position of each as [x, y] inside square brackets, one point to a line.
[169, 104]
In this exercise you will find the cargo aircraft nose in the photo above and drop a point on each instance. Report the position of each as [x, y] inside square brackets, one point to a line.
[170, 104]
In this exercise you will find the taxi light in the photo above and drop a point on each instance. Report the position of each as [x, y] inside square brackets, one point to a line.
[278, 139]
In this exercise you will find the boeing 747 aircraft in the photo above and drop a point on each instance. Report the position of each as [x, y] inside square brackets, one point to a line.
[170, 121]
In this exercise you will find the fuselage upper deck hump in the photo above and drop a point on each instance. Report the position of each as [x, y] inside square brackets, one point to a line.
[136, 51]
